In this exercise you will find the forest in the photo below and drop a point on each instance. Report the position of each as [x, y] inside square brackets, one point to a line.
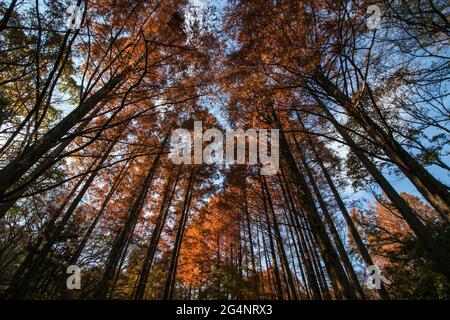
[92, 206]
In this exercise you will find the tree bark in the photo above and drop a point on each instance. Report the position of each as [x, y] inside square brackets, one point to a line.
[312, 280]
[15, 169]
[334, 233]
[156, 235]
[351, 226]
[338, 277]
[281, 250]
[171, 276]
[433, 190]
[434, 250]
[125, 233]
[276, 272]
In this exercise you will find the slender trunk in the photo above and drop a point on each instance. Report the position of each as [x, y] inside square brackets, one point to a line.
[244, 239]
[171, 276]
[278, 287]
[14, 170]
[7, 15]
[297, 245]
[79, 250]
[260, 273]
[272, 288]
[45, 164]
[338, 278]
[20, 289]
[433, 190]
[239, 257]
[156, 235]
[290, 246]
[294, 215]
[249, 232]
[105, 202]
[27, 263]
[110, 293]
[351, 226]
[122, 238]
[295, 250]
[334, 233]
[435, 251]
[319, 270]
[282, 252]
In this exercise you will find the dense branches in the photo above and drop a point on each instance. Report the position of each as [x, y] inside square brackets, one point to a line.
[86, 118]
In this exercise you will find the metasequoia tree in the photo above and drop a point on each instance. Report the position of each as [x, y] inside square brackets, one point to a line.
[86, 177]
[332, 78]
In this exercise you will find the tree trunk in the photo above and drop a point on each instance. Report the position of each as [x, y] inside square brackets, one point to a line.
[312, 280]
[125, 233]
[281, 250]
[14, 170]
[338, 277]
[351, 226]
[249, 232]
[7, 15]
[334, 233]
[432, 189]
[434, 250]
[47, 162]
[278, 287]
[171, 276]
[156, 234]
[20, 289]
